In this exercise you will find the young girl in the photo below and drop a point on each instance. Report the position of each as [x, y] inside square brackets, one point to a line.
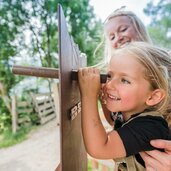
[121, 27]
[137, 86]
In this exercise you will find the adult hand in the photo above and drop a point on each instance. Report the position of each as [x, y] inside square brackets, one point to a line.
[156, 160]
[102, 97]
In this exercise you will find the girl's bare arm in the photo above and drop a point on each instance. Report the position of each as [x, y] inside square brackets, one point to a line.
[99, 144]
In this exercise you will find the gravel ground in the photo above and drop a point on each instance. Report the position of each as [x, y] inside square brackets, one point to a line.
[40, 152]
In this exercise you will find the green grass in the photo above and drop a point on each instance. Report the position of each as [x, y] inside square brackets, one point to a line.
[89, 166]
[8, 139]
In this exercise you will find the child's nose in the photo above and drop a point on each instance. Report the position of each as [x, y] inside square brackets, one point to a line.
[111, 84]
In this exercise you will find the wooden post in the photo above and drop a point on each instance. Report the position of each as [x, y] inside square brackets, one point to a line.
[14, 115]
[73, 154]
[55, 90]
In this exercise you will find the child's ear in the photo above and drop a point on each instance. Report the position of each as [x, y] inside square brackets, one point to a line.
[155, 97]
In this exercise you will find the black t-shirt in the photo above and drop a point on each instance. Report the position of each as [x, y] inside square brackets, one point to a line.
[137, 133]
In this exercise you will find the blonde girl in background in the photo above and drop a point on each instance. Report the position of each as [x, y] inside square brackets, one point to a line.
[137, 86]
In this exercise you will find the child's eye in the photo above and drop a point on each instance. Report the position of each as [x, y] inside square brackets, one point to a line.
[125, 81]
[109, 77]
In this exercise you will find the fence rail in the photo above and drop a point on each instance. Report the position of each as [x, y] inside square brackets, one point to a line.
[44, 105]
[18, 109]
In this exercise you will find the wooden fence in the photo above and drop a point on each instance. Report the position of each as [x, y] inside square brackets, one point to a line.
[45, 105]
[19, 108]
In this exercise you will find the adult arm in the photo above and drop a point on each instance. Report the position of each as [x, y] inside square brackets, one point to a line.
[156, 159]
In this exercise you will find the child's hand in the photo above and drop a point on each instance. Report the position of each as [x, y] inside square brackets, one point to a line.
[102, 97]
[89, 81]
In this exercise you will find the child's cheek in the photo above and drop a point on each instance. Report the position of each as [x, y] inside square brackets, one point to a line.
[128, 101]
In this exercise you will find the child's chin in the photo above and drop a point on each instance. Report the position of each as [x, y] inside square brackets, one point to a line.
[110, 108]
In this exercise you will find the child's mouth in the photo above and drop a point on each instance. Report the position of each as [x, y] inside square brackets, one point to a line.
[113, 97]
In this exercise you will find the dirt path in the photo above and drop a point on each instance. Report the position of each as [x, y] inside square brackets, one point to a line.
[38, 153]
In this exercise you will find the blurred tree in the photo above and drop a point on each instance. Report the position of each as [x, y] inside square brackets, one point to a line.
[28, 35]
[160, 27]
[8, 33]
[84, 27]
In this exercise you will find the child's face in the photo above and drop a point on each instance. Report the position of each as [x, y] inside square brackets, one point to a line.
[120, 30]
[126, 89]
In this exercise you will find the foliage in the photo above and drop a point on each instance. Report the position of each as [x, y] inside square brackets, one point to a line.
[5, 118]
[89, 165]
[9, 139]
[83, 26]
[5, 122]
[100, 167]
[29, 37]
[7, 49]
[160, 27]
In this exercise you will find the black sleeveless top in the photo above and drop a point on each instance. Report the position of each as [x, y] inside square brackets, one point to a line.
[136, 133]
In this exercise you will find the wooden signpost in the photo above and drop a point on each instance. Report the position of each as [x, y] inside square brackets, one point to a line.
[72, 152]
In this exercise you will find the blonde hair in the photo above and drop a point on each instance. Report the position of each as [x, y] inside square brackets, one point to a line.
[157, 63]
[137, 24]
